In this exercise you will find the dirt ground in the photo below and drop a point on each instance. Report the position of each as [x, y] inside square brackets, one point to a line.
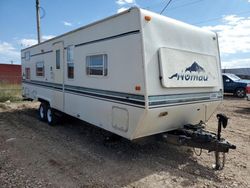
[74, 154]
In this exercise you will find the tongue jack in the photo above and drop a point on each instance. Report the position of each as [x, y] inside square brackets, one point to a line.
[222, 122]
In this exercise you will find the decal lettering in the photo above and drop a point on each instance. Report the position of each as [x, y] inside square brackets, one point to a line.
[193, 73]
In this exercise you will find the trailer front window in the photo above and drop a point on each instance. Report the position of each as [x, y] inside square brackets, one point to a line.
[97, 65]
[40, 68]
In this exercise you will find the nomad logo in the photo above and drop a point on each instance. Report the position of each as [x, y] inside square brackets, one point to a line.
[193, 73]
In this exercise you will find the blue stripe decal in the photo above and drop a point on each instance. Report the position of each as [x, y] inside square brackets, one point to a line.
[135, 100]
[94, 41]
[106, 92]
[155, 101]
[186, 98]
[109, 38]
[44, 84]
[104, 99]
[181, 104]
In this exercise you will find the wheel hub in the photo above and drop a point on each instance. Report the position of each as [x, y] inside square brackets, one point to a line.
[41, 112]
[49, 116]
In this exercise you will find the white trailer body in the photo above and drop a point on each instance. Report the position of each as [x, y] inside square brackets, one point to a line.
[135, 74]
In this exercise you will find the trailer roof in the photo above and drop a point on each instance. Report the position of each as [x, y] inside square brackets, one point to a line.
[110, 17]
[83, 27]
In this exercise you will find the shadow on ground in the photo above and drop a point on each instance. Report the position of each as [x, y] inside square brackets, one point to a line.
[80, 152]
[243, 110]
[232, 97]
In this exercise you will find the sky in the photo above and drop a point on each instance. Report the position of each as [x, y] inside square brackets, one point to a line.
[229, 18]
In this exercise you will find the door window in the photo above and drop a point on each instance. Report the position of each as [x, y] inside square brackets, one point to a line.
[70, 61]
[40, 68]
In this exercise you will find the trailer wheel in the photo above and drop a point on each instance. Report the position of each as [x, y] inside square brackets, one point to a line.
[52, 119]
[42, 112]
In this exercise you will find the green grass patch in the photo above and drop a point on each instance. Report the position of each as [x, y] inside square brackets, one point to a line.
[12, 92]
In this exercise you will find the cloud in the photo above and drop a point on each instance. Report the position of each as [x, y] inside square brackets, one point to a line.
[125, 2]
[27, 42]
[47, 37]
[9, 53]
[234, 40]
[6, 46]
[233, 34]
[236, 63]
[121, 9]
[67, 23]
[30, 41]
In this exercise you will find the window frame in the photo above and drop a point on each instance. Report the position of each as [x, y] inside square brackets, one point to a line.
[58, 59]
[27, 55]
[70, 62]
[70, 65]
[104, 65]
[27, 73]
[70, 53]
[38, 72]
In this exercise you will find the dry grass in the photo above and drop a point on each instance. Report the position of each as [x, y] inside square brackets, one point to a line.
[10, 92]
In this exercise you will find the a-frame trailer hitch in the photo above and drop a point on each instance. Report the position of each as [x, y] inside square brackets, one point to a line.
[197, 137]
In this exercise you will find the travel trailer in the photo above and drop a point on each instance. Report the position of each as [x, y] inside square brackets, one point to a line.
[135, 74]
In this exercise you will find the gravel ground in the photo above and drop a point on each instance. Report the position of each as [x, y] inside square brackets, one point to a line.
[75, 154]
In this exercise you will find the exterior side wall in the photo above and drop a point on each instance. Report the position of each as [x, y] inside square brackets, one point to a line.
[101, 101]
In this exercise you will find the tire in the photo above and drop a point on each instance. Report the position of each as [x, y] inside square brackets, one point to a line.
[240, 92]
[42, 112]
[52, 119]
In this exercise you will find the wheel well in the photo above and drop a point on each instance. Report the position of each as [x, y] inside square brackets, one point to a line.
[43, 101]
[239, 88]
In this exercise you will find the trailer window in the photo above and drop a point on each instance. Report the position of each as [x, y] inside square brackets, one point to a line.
[70, 61]
[40, 68]
[70, 53]
[57, 59]
[27, 56]
[97, 65]
[27, 73]
[71, 70]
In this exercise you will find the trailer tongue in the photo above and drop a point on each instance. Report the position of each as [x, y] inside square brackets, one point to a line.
[197, 137]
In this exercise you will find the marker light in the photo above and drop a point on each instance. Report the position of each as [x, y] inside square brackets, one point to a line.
[147, 18]
[138, 88]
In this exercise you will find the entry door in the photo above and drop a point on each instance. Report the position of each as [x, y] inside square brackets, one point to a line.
[58, 69]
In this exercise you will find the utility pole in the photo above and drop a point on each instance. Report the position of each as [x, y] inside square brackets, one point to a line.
[38, 21]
